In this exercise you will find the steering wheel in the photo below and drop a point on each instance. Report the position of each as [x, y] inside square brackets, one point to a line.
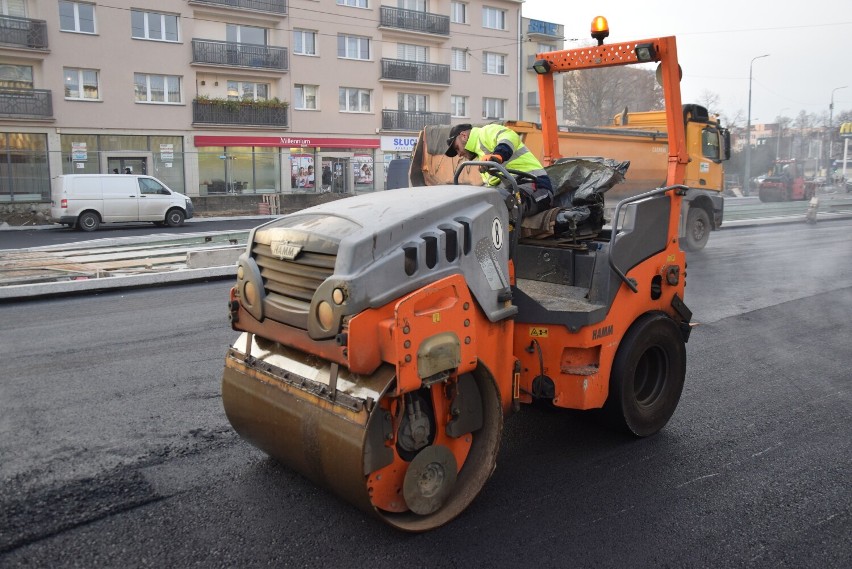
[520, 177]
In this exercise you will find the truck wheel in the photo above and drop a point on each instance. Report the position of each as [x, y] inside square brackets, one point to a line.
[647, 375]
[697, 230]
[89, 221]
[174, 218]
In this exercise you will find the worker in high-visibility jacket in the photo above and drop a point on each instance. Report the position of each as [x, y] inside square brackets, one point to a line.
[497, 143]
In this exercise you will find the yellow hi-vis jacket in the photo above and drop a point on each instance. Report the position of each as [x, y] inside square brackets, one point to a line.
[484, 139]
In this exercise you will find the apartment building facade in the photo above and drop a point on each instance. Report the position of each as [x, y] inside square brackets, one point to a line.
[537, 36]
[243, 96]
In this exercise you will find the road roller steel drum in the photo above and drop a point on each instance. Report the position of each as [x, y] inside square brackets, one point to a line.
[336, 433]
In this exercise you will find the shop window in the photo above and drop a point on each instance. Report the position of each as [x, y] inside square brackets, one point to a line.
[238, 170]
[24, 172]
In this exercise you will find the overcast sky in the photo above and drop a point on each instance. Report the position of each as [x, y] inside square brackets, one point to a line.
[809, 46]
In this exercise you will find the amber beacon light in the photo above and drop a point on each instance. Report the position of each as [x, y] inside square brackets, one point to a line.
[600, 29]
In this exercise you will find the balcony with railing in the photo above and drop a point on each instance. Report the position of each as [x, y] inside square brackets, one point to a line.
[26, 103]
[414, 21]
[240, 113]
[413, 121]
[233, 54]
[403, 70]
[268, 6]
[23, 32]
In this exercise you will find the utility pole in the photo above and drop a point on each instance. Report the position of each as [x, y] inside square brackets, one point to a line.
[747, 180]
[830, 133]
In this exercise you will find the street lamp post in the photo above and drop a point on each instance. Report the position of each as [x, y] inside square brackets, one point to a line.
[830, 133]
[747, 181]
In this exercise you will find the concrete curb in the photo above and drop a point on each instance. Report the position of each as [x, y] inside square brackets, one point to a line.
[786, 219]
[189, 221]
[40, 290]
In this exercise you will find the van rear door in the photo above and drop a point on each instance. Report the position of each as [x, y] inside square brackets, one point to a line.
[121, 198]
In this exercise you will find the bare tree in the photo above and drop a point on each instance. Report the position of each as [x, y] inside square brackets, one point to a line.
[735, 122]
[594, 96]
[804, 120]
[710, 101]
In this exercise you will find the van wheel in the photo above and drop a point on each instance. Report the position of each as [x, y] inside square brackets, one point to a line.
[174, 218]
[89, 221]
[647, 375]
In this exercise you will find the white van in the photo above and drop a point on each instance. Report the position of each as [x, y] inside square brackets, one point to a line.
[87, 200]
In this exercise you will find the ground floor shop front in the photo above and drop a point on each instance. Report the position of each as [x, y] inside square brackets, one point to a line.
[199, 165]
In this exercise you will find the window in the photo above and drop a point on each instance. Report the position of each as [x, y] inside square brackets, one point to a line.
[17, 8]
[459, 62]
[416, 5]
[354, 3]
[152, 187]
[545, 47]
[16, 76]
[458, 12]
[412, 102]
[354, 100]
[76, 17]
[81, 83]
[493, 63]
[710, 147]
[353, 47]
[532, 99]
[157, 88]
[247, 91]
[153, 26]
[245, 34]
[458, 106]
[306, 97]
[304, 42]
[493, 108]
[23, 164]
[410, 52]
[493, 18]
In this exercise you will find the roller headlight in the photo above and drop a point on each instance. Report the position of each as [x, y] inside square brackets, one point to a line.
[250, 294]
[325, 315]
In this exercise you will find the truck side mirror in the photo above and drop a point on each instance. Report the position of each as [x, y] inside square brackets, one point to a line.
[726, 143]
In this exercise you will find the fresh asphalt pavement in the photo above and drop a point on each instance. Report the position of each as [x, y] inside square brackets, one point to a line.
[117, 452]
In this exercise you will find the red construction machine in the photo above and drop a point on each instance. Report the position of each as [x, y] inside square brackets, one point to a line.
[786, 183]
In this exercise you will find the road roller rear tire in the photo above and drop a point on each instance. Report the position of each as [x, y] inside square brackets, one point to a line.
[647, 375]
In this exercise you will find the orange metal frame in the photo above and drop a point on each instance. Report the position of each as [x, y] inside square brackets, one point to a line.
[583, 360]
[608, 56]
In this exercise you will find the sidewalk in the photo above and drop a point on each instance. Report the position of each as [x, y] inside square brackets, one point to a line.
[160, 259]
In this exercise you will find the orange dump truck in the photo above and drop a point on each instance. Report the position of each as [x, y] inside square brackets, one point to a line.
[639, 138]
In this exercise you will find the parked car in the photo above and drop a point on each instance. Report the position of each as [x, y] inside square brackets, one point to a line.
[87, 200]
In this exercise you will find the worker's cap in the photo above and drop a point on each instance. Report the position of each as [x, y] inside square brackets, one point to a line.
[454, 132]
